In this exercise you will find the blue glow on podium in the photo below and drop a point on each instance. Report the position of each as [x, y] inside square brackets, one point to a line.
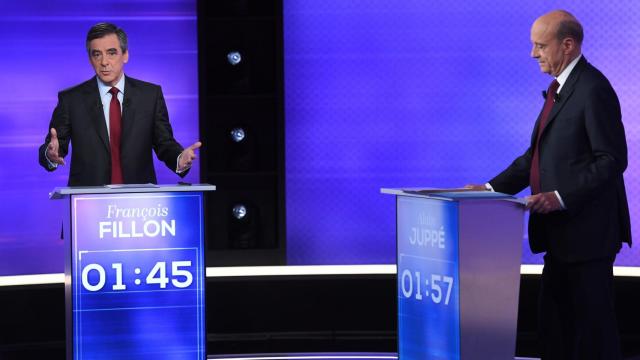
[428, 279]
[138, 276]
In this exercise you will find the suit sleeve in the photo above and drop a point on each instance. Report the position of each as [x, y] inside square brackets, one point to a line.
[515, 177]
[607, 139]
[60, 122]
[164, 144]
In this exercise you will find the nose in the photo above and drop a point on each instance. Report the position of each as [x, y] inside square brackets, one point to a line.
[534, 52]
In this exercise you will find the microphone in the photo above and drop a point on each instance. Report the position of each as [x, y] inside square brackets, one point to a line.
[126, 103]
[556, 96]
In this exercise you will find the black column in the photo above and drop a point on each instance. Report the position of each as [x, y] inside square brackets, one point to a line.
[240, 56]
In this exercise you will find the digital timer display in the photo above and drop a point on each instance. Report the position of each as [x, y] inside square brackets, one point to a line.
[138, 276]
[428, 279]
[157, 276]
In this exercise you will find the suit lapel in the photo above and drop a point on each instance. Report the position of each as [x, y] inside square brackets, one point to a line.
[128, 110]
[565, 92]
[96, 112]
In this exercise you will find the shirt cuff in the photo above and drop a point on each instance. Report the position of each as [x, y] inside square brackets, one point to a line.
[489, 187]
[49, 163]
[178, 171]
[560, 199]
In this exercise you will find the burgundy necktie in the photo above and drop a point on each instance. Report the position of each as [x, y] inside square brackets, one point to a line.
[534, 176]
[115, 132]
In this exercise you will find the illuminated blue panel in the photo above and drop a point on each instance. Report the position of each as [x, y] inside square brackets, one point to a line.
[428, 279]
[397, 93]
[138, 276]
[46, 43]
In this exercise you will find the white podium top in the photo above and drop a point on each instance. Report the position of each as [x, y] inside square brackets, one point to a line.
[63, 192]
[451, 194]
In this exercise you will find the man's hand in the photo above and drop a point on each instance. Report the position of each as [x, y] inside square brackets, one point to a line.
[187, 156]
[476, 187]
[53, 148]
[543, 203]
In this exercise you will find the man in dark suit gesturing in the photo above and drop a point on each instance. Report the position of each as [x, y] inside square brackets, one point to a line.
[112, 121]
[579, 212]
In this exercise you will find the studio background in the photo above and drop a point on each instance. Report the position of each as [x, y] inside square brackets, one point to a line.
[377, 94]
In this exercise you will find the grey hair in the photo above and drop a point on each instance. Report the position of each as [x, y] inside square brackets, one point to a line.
[101, 30]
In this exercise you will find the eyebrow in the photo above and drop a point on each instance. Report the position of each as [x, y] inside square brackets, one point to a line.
[94, 51]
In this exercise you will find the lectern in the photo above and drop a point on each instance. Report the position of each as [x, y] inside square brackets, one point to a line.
[458, 258]
[134, 271]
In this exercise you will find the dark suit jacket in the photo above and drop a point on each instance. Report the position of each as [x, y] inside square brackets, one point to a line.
[583, 153]
[79, 118]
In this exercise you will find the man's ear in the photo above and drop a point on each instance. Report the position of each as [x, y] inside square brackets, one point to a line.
[126, 57]
[568, 45]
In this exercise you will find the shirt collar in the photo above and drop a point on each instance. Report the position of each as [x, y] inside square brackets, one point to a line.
[104, 88]
[564, 75]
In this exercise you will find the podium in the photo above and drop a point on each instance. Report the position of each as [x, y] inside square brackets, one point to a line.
[458, 259]
[134, 271]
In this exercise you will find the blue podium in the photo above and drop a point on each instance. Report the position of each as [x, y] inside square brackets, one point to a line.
[134, 271]
[458, 259]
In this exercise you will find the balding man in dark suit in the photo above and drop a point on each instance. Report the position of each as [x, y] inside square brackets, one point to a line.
[579, 212]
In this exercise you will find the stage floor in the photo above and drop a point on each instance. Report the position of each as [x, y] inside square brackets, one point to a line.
[317, 356]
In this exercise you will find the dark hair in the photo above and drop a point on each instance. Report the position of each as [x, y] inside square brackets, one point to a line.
[101, 30]
[570, 28]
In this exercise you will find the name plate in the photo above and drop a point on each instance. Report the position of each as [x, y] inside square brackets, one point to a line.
[137, 276]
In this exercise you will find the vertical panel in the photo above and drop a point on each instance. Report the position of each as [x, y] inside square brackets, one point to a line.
[138, 276]
[404, 93]
[46, 41]
[428, 280]
[243, 97]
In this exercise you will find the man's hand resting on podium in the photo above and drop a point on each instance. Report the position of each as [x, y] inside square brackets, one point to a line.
[543, 203]
[52, 149]
[185, 160]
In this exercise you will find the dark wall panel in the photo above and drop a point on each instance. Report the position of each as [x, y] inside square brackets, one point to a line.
[247, 96]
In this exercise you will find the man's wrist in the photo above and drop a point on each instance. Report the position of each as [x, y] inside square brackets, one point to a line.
[178, 170]
[51, 165]
[560, 200]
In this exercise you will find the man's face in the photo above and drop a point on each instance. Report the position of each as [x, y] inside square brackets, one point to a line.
[107, 58]
[547, 49]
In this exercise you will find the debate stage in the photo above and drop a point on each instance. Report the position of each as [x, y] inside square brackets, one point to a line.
[284, 312]
[319, 356]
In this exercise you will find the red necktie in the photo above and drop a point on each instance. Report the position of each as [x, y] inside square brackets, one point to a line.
[534, 176]
[115, 132]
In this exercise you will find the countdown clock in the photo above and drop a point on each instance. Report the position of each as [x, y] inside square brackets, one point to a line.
[135, 274]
